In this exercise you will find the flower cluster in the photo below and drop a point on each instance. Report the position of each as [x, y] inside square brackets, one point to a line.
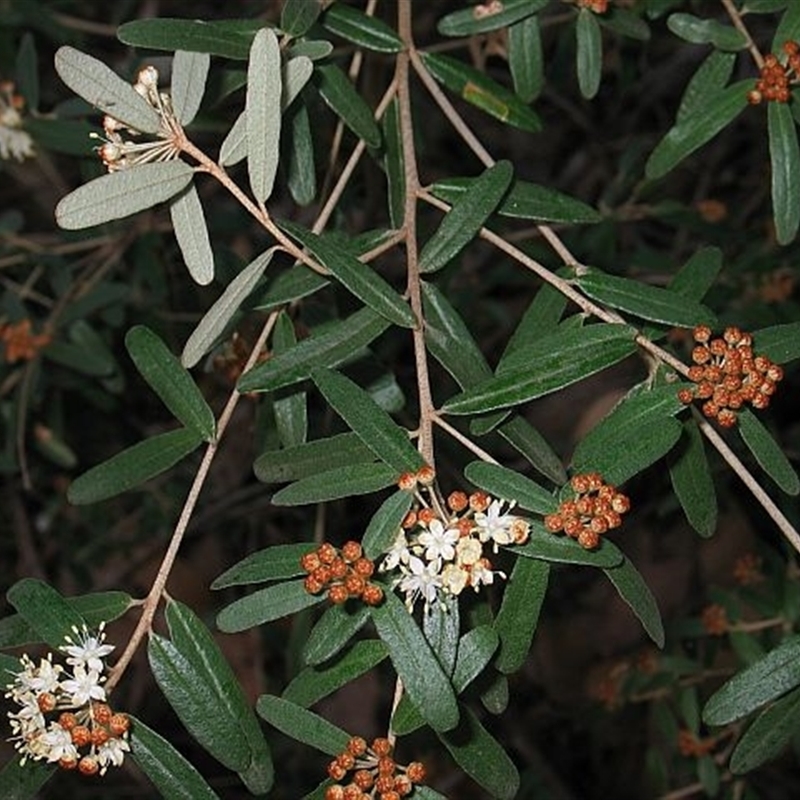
[777, 75]
[439, 549]
[373, 773]
[87, 734]
[596, 508]
[14, 142]
[19, 343]
[714, 620]
[119, 153]
[598, 6]
[728, 375]
[747, 570]
[344, 573]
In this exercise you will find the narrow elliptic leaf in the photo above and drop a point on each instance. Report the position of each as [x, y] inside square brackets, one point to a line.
[234, 146]
[104, 89]
[645, 301]
[275, 563]
[45, 610]
[525, 58]
[767, 452]
[385, 524]
[766, 680]
[441, 626]
[394, 163]
[189, 224]
[633, 589]
[561, 549]
[296, 74]
[359, 278]
[216, 319]
[769, 734]
[297, 282]
[416, 665]
[637, 432]
[291, 416]
[698, 274]
[345, 481]
[302, 725]
[719, 110]
[467, 21]
[301, 175]
[692, 480]
[212, 676]
[133, 466]
[361, 29]
[478, 89]
[557, 361]
[120, 194]
[525, 439]
[523, 200]
[784, 154]
[540, 319]
[338, 92]
[788, 28]
[263, 109]
[589, 53]
[265, 605]
[625, 23]
[170, 381]
[311, 458]
[779, 343]
[368, 420]
[467, 216]
[169, 771]
[315, 49]
[519, 613]
[313, 683]
[339, 343]
[229, 39]
[189, 73]
[710, 78]
[482, 757]
[706, 31]
[23, 781]
[426, 793]
[508, 484]
[297, 16]
[333, 631]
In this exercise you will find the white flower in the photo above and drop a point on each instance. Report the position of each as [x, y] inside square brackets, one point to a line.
[112, 752]
[84, 686]
[468, 551]
[398, 554]
[420, 580]
[59, 744]
[454, 578]
[14, 142]
[35, 680]
[89, 650]
[482, 573]
[495, 525]
[439, 541]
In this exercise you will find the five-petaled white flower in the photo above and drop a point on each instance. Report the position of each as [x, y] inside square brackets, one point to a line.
[438, 541]
[422, 580]
[84, 686]
[398, 554]
[88, 651]
[495, 525]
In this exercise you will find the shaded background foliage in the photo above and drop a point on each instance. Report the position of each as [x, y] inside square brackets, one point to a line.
[565, 742]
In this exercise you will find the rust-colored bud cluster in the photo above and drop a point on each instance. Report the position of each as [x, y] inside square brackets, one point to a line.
[777, 75]
[596, 508]
[102, 725]
[19, 341]
[372, 773]
[598, 6]
[344, 573]
[728, 375]
[715, 620]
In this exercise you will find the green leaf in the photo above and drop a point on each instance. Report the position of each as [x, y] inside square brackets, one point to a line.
[169, 771]
[368, 420]
[478, 89]
[645, 301]
[360, 279]
[189, 224]
[541, 317]
[525, 58]
[779, 343]
[45, 610]
[294, 284]
[297, 16]
[27, 71]
[519, 613]
[784, 153]
[637, 432]
[263, 109]
[631, 587]
[22, 782]
[312, 684]
[301, 176]
[265, 605]
[302, 725]
[361, 29]
[706, 31]
[338, 92]
[189, 73]
[315, 49]
[467, 216]
[698, 274]
[441, 627]
[133, 466]
[120, 194]
[229, 38]
[344, 481]
[692, 481]
[763, 6]
[467, 21]
[710, 78]
[788, 28]
[170, 381]
[216, 319]
[625, 23]
[311, 458]
[482, 757]
[291, 417]
[769, 734]
[719, 110]
[523, 200]
[561, 549]
[556, 361]
[385, 524]
[394, 163]
[337, 344]
[766, 680]
[521, 435]
[104, 89]
[275, 563]
[767, 452]
[510, 485]
[589, 54]
[415, 663]
[334, 629]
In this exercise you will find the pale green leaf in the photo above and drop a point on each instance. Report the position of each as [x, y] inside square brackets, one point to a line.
[291, 416]
[189, 223]
[226, 38]
[189, 73]
[706, 31]
[589, 53]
